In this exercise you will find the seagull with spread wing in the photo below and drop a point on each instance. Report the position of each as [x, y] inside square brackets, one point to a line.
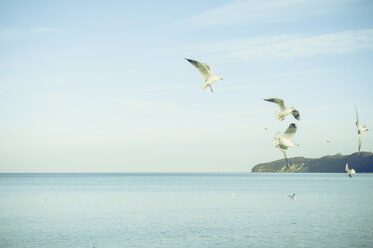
[283, 141]
[360, 130]
[284, 110]
[293, 196]
[349, 172]
[206, 73]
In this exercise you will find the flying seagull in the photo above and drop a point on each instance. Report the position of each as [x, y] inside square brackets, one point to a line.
[206, 73]
[233, 195]
[349, 172]
[284, 110]
[360, 130]
[283, 141]
[293, 196]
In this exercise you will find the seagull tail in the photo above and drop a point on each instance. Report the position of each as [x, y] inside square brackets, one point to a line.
[276, 139]
[204, 86]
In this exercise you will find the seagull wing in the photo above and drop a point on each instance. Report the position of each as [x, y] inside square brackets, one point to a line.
[208, 68]
[296, 114]
[358, 143]
[286, 158]
[290, 131]
[204, 69]
[278, 101]
[357, 118]
[287, 161]
[347, 169]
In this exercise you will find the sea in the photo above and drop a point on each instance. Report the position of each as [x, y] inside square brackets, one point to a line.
[191, 210]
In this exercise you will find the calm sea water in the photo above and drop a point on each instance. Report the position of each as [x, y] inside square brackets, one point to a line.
[185, 210]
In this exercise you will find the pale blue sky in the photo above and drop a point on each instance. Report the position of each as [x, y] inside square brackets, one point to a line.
[89, 86]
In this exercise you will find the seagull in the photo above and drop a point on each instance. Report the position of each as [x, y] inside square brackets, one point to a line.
[284, 111]
[349, 172]
[43, 200]
[283, 141]
[293, 196]
[205, 70]
[360, 130]
[233, 196]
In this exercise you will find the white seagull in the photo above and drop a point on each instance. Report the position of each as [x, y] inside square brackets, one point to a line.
[206, 72]
[284, 110]
[233, 195]
[360, 130]
[349, 172]
[283, 141]
[293, 196]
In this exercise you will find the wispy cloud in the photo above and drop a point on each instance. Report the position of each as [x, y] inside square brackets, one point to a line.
[143, 105]
[258, 11]
[284, 46]
[9, 34]
[279, 47]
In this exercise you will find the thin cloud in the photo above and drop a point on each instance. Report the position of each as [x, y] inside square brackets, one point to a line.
[142, 105]
[271, 48]
[290, 47]
[9, 34]
[258, 11]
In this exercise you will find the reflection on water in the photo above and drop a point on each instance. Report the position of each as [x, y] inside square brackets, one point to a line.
[186, 210]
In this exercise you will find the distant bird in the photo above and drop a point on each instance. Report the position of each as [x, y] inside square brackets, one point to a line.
[327, 141]
[349, 172]
[43, 201]
[265, 129]
[293, 197]
[233, 196]
[283, 141]
[360, 130]
[206, 72]
[284, 111]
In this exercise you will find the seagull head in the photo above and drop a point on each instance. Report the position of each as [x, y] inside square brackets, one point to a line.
[220, 78]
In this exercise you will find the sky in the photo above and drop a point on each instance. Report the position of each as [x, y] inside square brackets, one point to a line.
[103, 86]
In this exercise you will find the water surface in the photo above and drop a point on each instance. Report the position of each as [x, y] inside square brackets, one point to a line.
[185, 210]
